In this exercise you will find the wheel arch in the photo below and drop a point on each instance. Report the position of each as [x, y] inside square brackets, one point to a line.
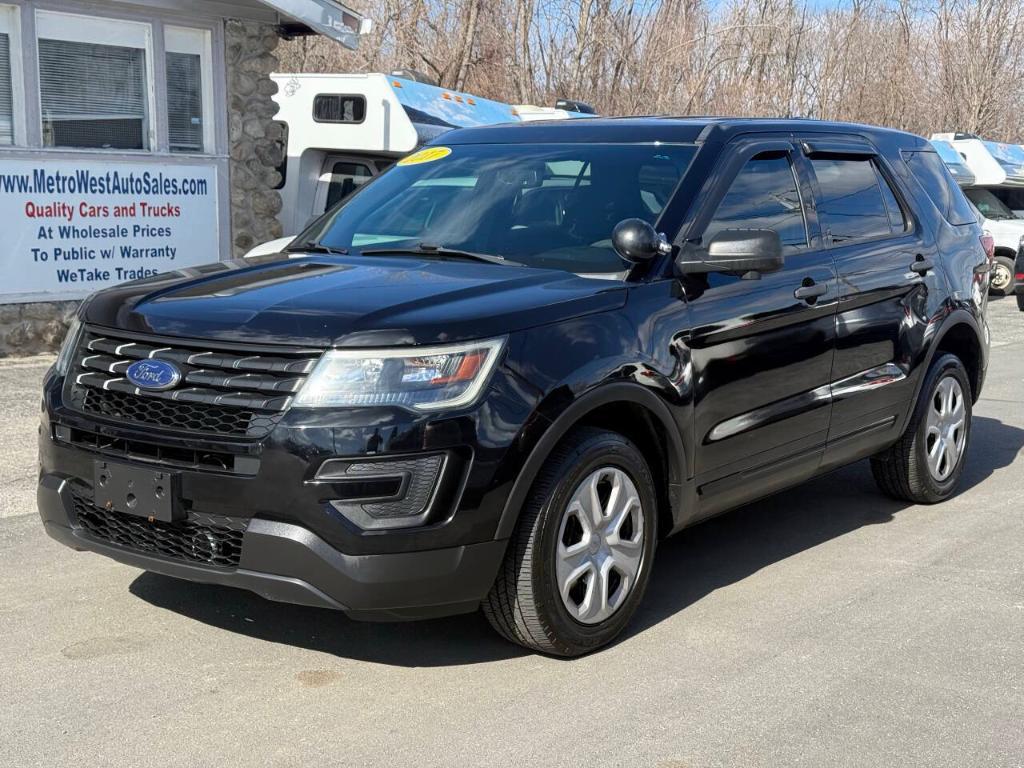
[959, 335]
[630, 410]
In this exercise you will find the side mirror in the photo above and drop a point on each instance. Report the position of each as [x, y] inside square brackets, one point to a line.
[739, 250]
[636, 241]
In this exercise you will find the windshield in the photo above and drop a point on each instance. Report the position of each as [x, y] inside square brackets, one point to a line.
[551, 206]
[1009, 156]
[991, 207]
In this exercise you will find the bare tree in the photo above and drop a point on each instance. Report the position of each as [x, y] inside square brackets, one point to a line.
[921, 65]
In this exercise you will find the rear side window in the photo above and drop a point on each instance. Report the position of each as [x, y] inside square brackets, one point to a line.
[764, 195]
[856, 202]
[931, 173]
[897, 219]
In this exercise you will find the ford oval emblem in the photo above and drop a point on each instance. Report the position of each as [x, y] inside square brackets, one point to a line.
[153, 374]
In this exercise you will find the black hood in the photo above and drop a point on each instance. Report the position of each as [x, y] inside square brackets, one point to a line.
[349, 301]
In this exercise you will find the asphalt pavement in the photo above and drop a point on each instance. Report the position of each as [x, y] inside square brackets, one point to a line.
[826, 626]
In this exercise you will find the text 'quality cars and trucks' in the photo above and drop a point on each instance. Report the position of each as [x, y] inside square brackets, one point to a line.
[500, 372]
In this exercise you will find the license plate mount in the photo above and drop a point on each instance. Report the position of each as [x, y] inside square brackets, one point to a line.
[153, 494]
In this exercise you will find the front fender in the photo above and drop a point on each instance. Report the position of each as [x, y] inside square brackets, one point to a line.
[573, 414]
[635, 356]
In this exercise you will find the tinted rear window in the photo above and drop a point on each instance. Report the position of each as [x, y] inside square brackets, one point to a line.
[852, 205]
[932, 174]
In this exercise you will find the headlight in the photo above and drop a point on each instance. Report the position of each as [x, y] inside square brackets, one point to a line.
[67, 349]
[423, 378]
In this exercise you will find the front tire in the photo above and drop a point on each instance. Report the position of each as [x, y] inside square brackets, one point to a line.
[1003, 281]
[580, 558]
[925, 465]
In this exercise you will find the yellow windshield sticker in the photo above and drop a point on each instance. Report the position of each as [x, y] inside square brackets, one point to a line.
[428, 155]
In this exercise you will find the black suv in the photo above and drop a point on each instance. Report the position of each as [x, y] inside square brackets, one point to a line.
[500, 372]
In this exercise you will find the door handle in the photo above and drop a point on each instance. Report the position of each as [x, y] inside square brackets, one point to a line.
[922, 265]
[810, 291]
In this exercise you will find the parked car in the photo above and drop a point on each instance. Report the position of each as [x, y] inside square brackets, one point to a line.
[1007, 231]
[508, 367]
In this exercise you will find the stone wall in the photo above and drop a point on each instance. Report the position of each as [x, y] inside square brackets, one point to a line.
[254, 136]
[31, 329]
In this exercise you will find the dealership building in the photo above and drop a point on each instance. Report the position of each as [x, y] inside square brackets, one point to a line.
[136, 137]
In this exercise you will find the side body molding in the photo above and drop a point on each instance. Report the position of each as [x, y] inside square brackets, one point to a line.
[873, 378]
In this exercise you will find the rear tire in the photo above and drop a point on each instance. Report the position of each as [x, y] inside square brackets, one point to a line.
[1004, 280]
[575, 571]
[925, 465]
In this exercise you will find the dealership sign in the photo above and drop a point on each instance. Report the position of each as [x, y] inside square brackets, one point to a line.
[71, 228]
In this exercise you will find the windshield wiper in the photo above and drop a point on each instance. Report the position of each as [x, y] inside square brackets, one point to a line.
[429, 249]
[314, 247]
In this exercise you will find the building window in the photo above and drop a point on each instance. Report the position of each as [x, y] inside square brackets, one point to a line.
[6, 91]
[8, 53]
[94, 82]
[189, 94]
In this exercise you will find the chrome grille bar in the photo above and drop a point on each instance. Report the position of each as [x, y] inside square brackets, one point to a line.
[229, 391]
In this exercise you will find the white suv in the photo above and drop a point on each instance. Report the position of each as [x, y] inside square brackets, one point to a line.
[1008, 232]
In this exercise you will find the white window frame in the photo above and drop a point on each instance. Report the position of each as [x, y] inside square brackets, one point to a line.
[77, 28]
[197, 41]
[10, 24]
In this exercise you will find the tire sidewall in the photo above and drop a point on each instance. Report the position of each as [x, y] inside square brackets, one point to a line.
[607, 450]
[947, 366]
[1007, 264]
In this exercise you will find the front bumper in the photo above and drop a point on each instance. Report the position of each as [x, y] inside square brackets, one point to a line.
[289, 563]
[300, 524]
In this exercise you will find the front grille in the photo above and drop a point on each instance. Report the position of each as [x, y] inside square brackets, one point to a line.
[207, 539]
[159, 453]
[222, 392]
[168, 413]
